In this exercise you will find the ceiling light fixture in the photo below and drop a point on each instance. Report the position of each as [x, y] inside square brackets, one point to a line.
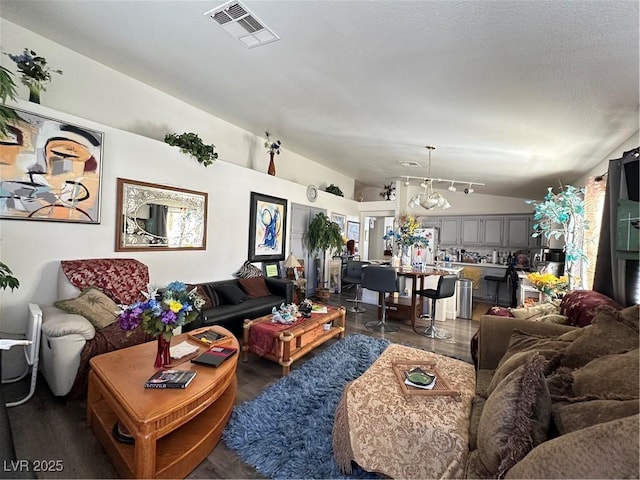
[429, 199]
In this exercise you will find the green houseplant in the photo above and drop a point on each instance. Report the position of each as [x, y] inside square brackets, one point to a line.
[7, 90]
[7, 280]
[335, 190]
[323, 236]
[192, 144]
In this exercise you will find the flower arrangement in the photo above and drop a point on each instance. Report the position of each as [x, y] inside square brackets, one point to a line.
[405, 234]
[549, 284]
[35, 72]
[162, 312]
[272, 147]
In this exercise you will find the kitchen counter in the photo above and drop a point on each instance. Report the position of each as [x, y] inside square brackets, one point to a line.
[467, 264]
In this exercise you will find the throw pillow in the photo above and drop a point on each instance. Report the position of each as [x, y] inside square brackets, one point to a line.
[553, 318]
[93, 305]
[515, 418]
[609, 376]
[520, 358]
[569, 417]
[580, 306]
[231, 294]
[248, 270]
[607, 335]
[255, 287]
[538, 310]
[573, 334]
[606, 450]
[202, 293]
[527, 342]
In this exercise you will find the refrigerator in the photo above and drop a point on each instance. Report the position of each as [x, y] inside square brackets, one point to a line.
[426, 255]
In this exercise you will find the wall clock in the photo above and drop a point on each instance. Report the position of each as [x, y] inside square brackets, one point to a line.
[312, 193]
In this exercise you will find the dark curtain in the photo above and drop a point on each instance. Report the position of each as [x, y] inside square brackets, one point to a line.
[617, 272]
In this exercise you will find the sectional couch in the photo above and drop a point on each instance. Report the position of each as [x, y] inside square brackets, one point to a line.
[557, 401]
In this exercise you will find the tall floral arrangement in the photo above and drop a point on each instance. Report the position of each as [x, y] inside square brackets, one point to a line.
[36, 74]
[562, 215]
[405, 233]
[160, 313]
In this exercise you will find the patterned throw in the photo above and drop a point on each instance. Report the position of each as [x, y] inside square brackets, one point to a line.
[384, 431]
[122, 279]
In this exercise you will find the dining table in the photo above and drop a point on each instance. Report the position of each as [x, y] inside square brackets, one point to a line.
[413, 303]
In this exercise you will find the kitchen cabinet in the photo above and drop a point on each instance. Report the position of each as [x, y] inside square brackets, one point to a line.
[449, 231]
[517, 231]
[492, 231]
[470, 231]
[430, 222]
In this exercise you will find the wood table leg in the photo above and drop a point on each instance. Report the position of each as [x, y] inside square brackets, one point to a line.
[245, 340]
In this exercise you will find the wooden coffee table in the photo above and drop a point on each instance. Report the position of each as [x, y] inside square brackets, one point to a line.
[174, 429]
[285, 344]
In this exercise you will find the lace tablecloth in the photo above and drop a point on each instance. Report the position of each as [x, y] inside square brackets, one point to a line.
[383, 430]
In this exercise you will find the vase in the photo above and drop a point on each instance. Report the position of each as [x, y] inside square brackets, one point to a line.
[163, 357]
[34, 93]
[272, 165]
[405, 255]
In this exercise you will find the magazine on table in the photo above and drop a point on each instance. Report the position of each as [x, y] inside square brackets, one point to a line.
[214, 356]
[170, 379]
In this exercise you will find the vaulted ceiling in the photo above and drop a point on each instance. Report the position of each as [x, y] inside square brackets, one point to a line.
[513, 94]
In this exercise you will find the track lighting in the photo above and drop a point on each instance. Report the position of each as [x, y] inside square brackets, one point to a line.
[452, 188]
[407, 182]
[469, 190]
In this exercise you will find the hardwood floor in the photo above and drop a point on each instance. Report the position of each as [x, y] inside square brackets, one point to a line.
[54, 429]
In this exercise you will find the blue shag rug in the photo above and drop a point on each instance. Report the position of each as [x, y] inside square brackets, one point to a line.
[286, 431]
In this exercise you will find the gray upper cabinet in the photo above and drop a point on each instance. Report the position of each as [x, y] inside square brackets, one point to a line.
[470, 231]
[492, 231]
[518, 232]
[449, 231]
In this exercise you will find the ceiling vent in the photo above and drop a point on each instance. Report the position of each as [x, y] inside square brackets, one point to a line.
[240, 23]
[409, 164]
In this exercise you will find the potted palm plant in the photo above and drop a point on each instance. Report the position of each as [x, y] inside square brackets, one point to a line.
[323, 236]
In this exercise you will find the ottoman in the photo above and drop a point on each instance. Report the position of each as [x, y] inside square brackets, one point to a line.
[384, 430]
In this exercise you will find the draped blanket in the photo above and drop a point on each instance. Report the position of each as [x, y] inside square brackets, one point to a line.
[400, 436]
[123, 280]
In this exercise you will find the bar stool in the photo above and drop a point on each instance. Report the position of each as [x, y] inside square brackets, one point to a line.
[353, 275]
[499, 280]
[384, 280]
[446, 288]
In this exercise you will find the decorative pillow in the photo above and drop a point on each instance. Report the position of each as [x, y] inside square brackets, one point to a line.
[607, 335]
[580, 306]
[527, 342]
[553, 318]
[630, 316]
[200, 290]
[573, 334]
[231, 294]
[569, 417]
[248, 270]
[609, 376]
[93, 305]
[520, 358]
[515, 418]
[537, 310]
[606, 450]
[499, 311]
[255, 287]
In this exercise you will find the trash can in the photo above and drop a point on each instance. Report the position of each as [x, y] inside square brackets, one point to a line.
[464, 289]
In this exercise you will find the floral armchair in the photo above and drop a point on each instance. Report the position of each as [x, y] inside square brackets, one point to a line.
[82, 323]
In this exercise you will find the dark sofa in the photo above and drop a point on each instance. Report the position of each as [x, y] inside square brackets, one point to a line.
[230, 302]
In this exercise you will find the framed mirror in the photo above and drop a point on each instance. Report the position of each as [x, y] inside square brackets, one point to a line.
[158, 217]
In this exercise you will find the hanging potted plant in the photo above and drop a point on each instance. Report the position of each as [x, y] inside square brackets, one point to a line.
[323, 236]
[192, 144]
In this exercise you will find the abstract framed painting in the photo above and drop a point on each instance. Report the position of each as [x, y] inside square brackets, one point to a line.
[50, 170]
[267, 228]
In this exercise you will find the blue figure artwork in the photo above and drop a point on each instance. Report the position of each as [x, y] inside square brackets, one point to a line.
[271, 220]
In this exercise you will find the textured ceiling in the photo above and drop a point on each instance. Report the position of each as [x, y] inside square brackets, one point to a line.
[513, 94]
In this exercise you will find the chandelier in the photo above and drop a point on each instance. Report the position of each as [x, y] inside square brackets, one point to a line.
[427, 198]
